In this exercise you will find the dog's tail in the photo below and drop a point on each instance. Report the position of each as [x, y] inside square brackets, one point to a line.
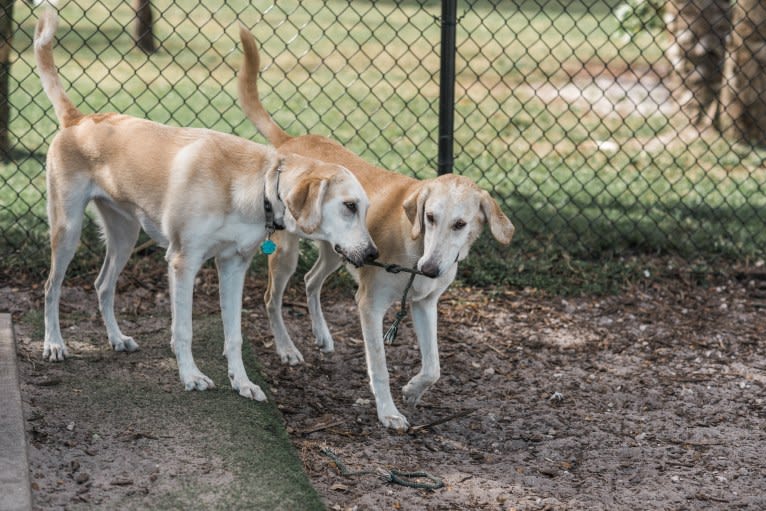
[66, 112]
[247, 81]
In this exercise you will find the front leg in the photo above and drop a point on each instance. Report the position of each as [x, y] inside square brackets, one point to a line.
[424, 318]
[231, 281]
[182, 270]
[372, 311]
[326, 264]
[282, 265]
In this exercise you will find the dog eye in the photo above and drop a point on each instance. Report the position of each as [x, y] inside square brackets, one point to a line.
[351, 206]
[458, 225]
[430, 218]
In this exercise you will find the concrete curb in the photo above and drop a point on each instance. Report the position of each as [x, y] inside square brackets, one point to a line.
[14, 467]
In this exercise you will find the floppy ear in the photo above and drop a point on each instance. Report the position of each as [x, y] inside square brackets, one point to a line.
[499, 224]
[413, 208]
[305, 203]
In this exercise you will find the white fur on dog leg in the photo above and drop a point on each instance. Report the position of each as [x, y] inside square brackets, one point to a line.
[247, 389]
[412, 393]
[322, 336]
[418, 386]
[324, 341]
[195, 380]
[252, 391]
[54, 351]
[125, 343]
[290, 355]
[392, 419]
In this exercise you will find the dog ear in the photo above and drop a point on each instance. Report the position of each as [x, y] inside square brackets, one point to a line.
[305, 203]
[499, 224]
[413, 208]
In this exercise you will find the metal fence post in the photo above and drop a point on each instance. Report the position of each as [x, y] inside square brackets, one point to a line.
[6, 38]
[447, 87]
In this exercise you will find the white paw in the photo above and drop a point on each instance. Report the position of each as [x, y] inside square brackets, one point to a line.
[247, 389]
[416, 387]
[412, 394]
[290, 355]
[124, 343]
[55, 351]
[325, 342]
[323, 338]
[394, 420]
[195, 380]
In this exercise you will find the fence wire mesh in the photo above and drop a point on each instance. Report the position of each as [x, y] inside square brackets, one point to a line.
[602, 127]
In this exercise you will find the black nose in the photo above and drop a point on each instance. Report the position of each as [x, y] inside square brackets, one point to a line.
[430, 269]
[371, 254]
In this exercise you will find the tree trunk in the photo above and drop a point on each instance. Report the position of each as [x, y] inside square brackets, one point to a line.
[743, 97]
[6, 38]
[144, 28]
[699, 29]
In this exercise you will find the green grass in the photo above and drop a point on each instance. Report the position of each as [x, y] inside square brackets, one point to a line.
[367, 75]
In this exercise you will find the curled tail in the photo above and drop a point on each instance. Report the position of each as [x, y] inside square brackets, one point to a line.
[66, 112]
[247, 80]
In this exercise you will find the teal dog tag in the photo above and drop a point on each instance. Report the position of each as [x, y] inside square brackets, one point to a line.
[268, 247]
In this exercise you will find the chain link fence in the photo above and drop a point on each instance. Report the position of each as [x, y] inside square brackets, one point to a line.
[590, 132]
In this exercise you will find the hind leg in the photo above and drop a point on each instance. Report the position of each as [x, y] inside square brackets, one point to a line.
[121, 233]
[65, 216]
[326, 264]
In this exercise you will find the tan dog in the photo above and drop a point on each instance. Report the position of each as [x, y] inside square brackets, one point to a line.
[199, 193]
[432, 223]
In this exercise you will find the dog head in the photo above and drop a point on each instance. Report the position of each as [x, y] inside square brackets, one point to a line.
[326, 202]
[449, 212]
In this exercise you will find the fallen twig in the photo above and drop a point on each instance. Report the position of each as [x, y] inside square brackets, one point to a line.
[464, 413]
[320, 427]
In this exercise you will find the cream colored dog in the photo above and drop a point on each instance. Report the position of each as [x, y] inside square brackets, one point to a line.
[199, 193]
[431, 223]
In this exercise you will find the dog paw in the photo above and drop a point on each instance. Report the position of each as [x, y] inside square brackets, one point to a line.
[392, 419]
[248, 389]
[55, 351]
[418, 386]
[412, 394]
[124, 343]
[290, 356]
[323, 338]
[195, 380]
[325, 343]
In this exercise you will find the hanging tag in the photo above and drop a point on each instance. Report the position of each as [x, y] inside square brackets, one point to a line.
[268, 247]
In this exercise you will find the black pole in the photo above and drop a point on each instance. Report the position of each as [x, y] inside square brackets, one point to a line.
[447, 87]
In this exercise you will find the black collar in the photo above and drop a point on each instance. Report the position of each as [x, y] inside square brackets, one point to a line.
[271, 224]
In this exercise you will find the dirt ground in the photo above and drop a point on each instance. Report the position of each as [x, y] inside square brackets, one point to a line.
[649, 399]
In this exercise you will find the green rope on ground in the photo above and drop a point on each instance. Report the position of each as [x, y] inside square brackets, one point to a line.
[344, 471]
[393, 476]
[409, 479]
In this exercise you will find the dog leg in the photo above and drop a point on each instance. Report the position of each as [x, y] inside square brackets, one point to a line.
[424, 319]
[372, 311]
[65, 236]
[281, 266]
[231, 280]
[326, 264]
[120, 234]
[181, 271]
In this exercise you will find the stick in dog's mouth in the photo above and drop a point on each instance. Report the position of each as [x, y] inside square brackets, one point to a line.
[360, 258]
[345, 256]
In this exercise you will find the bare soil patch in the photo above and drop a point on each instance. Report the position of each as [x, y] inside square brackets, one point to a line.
[650, 399]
